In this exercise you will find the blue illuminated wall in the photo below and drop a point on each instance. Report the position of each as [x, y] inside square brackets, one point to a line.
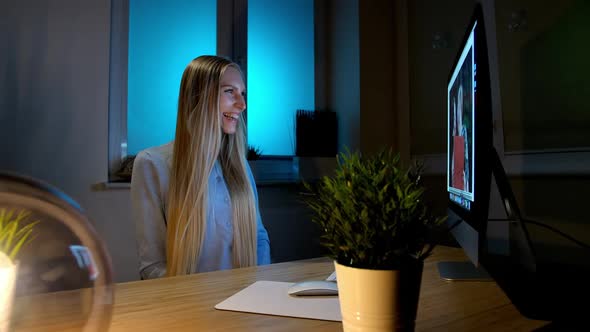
[280, 71]
[164, 36]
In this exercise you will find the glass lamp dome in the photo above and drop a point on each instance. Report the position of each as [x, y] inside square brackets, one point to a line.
[55, 273]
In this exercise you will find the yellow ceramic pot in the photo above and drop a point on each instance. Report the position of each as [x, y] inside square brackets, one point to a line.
[378, 300]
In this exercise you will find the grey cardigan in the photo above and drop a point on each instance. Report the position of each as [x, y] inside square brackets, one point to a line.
[149, 191]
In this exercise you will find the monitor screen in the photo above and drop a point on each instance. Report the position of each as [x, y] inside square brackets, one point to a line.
[460, 109]
[469, 127]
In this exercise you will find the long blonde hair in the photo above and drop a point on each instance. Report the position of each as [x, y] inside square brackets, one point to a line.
[199, 142]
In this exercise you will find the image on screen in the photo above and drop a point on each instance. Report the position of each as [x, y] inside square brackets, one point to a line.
[461, 110]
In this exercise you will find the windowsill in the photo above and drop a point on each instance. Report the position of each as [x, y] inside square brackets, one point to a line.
[108, 186]
[104, 186]
[267, 171]
[274, 171]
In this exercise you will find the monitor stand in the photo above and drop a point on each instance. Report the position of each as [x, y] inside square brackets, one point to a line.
[462, 271]
[468, 238]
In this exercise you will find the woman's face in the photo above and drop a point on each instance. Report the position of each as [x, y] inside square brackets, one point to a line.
[231, 99]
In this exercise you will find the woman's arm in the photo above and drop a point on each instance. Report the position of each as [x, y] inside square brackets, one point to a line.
[263, 250]
[148, 178]
[263, 247]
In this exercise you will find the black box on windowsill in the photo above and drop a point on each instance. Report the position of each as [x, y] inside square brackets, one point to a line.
[316, 134]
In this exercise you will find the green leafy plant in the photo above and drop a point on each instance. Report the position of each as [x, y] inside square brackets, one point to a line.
[15, 231]
[253, 153]
[126, 168]
[371, 212]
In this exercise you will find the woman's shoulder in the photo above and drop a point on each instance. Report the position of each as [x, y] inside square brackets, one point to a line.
[156, 153]
[158, 158]
[152, 165]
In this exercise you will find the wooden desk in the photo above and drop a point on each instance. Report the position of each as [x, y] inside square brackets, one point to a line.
[186, 303]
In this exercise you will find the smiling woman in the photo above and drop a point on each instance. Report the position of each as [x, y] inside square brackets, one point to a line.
[194, 200]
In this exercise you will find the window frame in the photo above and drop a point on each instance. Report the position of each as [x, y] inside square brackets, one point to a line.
[547, 162]
[119, 41]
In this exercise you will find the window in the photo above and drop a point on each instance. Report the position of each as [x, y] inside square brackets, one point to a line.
[157, 39]
[281, 63]
[541, 117]
[164, 36]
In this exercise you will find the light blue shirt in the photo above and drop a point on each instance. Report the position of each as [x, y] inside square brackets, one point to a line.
[149, 192]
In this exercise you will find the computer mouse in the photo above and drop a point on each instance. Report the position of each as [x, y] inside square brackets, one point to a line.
[313, 288]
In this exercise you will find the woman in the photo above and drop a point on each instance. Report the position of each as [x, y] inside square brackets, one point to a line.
[194, 200]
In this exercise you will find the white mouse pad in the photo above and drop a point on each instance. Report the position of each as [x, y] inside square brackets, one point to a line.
[271, 298]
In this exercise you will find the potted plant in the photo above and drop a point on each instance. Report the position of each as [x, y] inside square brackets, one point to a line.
[253, 153]
[15, 233]
[375, 225]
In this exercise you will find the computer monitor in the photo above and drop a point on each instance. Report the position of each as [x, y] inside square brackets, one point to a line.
[469, 135]
[539, 288]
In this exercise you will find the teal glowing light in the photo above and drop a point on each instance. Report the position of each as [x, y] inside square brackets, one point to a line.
[164, 36]
[280, 71]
